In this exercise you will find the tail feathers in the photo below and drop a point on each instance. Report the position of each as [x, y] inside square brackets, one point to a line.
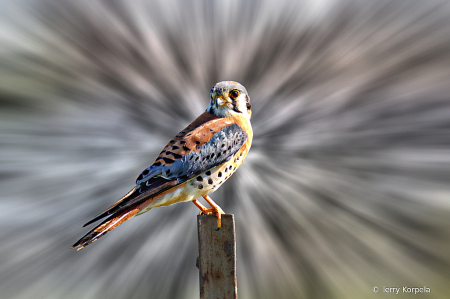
[107, 225]
[112, 209]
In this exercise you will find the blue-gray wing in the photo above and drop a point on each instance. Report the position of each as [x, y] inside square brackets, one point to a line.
[220, 148]
[177, 164]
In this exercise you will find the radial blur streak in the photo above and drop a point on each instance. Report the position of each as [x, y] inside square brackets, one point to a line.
[346, 187]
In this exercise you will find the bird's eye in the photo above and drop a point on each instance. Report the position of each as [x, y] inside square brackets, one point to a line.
[234, 94]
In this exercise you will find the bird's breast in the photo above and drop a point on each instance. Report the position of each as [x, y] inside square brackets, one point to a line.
[212, 179]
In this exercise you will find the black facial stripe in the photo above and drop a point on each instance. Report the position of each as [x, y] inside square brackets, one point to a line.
[247, 100]
[235, 108]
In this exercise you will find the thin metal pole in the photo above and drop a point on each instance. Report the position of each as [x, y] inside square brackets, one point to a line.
[217, 257]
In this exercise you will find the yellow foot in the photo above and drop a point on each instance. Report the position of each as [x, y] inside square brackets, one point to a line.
[208, 212]
[217, 210]
[214, 210]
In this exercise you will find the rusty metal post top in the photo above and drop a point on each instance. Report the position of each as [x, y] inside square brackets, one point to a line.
[217, 257]
[227, 218]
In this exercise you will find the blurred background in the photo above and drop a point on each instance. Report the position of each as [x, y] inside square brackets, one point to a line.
[346, 187]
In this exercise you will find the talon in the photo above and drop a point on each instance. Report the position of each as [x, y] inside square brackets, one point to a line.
[208, 211]
[215, 209]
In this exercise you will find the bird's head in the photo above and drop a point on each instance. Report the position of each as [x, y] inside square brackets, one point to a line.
[228, 98]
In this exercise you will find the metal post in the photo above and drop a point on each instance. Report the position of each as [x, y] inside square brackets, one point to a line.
[217, 257]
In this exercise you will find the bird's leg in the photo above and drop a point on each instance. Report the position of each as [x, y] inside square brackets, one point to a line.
[215, 209]
[203, 209]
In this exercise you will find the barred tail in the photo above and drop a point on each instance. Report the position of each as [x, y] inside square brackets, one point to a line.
[112, 222]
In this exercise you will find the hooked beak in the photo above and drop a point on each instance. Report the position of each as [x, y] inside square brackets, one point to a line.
[219, 101]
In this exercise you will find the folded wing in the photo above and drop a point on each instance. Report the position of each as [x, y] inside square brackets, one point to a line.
[179, 163]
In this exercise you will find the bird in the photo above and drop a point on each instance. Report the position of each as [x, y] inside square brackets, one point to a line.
[195, 163]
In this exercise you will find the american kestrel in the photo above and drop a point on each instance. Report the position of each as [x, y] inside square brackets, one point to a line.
[193, 164]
